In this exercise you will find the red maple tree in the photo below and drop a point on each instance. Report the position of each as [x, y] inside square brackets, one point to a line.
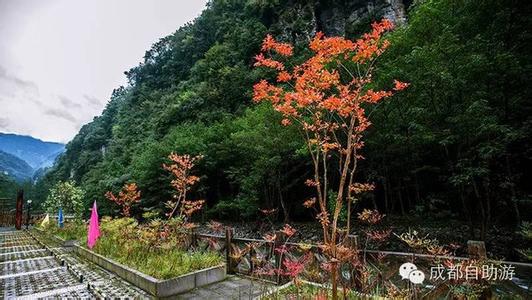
[126, 197]
[327, 96]
[183, 181]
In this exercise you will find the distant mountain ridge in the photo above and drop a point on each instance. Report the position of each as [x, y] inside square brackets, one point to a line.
[21, 156]
[14, 167]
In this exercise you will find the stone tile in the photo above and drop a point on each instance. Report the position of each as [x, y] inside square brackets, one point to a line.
[100, 283]
[233, 287]
[53, 282]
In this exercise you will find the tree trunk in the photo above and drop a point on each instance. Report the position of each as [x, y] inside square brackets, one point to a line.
[334, 275]
[467, 213]
[482, 211]
[286, 212]
[400, 197]
[512, 201]
[488, 205]
[419, 200]
[408, 198]
[386, 200]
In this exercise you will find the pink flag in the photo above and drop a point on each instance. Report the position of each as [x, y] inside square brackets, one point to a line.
[94, 227]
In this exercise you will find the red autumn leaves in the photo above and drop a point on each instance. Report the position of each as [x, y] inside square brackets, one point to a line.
[319, 82]
[182, 182]
[327, 96]
[126, 197]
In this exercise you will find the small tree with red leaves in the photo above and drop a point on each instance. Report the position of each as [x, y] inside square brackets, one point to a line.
[126, 197]
[327, 97]
[182, 183]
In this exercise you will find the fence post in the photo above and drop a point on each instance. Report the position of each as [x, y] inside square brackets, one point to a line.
[193, 239]
[277, 256]
[18, 214]
[476, 249]
[251, 258]
[352, 241]
[228, 241]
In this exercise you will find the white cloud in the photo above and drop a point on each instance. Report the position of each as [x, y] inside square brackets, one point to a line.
[61, 59]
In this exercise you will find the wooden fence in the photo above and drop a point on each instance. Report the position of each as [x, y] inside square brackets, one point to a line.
[258, 258]
[8, 214]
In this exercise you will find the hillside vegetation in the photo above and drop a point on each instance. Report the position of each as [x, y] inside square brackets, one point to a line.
[455, 144]
[8, 187]
[14, 167]
[24, 159]
[36, 153]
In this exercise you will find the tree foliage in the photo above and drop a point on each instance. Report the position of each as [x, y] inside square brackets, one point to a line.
[326, 96]
[128, 196]
[182, 182]
[65, 195]
[8, 187]
[462, 130]
[454, 144]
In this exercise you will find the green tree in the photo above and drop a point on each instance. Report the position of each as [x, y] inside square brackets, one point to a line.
[65, 195]
[455, 142]
[8, 187]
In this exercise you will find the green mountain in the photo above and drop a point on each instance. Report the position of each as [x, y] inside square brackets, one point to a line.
[38, 154]
[455, 143]
[14, 167]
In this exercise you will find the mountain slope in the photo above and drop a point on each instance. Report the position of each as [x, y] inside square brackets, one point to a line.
[14, 167]
[459, 135]
[203, 73]
[38, 154]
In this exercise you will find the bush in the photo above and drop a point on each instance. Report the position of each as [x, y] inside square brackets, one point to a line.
[155, 248]
[70, 231]
[65, 195]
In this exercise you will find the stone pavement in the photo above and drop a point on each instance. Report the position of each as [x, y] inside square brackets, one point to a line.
[33, 267]
[234, 287]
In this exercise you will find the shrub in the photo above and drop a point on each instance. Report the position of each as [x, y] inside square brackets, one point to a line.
[155, 248]
[65, 195]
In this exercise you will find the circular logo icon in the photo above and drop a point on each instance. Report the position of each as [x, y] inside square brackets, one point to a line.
[409, 271]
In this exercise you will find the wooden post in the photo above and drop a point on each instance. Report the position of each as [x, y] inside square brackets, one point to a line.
[277, 256]
[193, 239]
[352, 241]
[228, 242]
[18, 215]
[476, 249]
[251, 258]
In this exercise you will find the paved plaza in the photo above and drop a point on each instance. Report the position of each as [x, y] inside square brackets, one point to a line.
[33, 267]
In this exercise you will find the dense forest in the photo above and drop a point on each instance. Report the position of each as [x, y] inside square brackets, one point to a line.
[455, 144]
[8, 187]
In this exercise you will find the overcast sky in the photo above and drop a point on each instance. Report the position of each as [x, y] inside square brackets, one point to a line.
[61, 59]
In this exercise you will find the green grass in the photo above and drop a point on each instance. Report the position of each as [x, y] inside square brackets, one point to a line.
[161, 264]
[168, 264]
[70, 231]
[122, 240]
